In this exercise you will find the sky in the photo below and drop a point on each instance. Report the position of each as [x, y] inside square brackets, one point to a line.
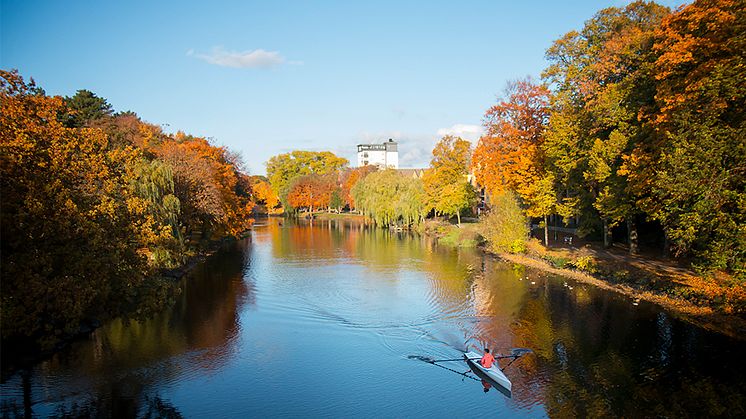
[264, 78]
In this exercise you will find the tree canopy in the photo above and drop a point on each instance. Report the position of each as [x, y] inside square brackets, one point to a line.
[91, 211]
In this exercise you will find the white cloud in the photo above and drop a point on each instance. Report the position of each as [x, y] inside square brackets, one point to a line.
[467, 132]
[257, 58]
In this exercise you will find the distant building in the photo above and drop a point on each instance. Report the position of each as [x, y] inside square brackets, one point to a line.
[385, 156]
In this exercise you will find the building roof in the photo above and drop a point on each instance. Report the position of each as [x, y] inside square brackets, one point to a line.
[416, 173]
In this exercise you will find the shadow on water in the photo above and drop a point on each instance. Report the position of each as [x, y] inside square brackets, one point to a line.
[201, 326]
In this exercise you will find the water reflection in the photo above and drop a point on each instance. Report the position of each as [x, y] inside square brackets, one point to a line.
[105, 373]
[345, 311]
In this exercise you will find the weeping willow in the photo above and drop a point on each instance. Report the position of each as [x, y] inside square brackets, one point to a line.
[390, 199]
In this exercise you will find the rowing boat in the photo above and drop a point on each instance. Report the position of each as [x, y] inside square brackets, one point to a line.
[493, 373]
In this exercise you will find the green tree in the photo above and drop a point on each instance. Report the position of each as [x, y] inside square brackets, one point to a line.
[85, 107]
[698, 163]
[505, 227]
[390, 198]
[336, 201]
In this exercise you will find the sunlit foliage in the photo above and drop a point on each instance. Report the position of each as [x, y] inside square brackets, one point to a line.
[283, 168]
[390, 198]
[446, 185]
[264, 193]
[94, 204]
[505, 227]
[312, 192]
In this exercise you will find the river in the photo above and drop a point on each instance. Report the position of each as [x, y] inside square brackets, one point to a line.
[333, 319]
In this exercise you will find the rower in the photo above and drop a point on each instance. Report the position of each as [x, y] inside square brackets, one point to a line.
[487, 360]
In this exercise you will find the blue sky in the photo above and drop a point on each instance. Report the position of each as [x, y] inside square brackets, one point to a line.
[264, 78]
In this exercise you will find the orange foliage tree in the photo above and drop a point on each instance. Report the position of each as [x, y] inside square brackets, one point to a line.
[206, 182]
[263, 192]
[312, 191]
[506, 156]
[66, 228]
[92, 210]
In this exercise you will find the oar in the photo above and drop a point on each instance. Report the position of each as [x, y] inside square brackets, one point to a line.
[461, 359]
[449, 360]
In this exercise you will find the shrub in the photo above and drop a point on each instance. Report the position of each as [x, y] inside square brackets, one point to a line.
[557, 261]
[505, 228]
[586, 264]
[518, 246]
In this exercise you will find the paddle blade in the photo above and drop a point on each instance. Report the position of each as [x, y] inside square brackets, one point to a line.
[422, 358]
[520, 351]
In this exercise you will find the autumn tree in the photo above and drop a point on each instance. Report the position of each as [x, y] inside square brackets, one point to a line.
[602, 79]
[283, 168]
[506, 155]
[446, 185]
[264, 193]
[510, 155]
[350, 177]
[311, 192]
[692, 177]
[91, 214]
[205, 184]
[67, 231]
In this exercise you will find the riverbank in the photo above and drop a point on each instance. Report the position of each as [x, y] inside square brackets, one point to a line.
[716, 303]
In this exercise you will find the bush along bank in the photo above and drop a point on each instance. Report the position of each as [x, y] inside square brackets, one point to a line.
[716, 301]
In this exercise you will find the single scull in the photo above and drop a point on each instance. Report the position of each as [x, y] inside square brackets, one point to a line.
[493, 373]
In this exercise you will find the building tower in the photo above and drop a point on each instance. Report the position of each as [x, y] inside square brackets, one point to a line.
[385, 156]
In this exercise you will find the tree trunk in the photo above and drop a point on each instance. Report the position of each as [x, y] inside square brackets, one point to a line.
[458, 218]
[546, 231]
[632, 237]
[607, 234]
[666, 246]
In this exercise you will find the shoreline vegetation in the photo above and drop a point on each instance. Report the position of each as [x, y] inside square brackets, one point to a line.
[621, 275]
[101, 212]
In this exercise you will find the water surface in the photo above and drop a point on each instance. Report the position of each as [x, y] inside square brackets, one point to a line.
[327, 320]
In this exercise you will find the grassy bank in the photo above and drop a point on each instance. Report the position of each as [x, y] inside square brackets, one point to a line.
[716, 302]
[467, 235]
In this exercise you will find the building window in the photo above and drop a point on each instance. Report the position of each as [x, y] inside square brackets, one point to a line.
[365, 155]
[365, 162]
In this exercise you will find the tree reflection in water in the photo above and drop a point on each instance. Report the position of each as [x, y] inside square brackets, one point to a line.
[202, 325]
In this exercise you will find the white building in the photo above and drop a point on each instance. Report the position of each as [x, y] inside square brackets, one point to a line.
[384, 155]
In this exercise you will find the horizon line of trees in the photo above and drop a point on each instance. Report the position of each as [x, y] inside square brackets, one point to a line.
[305, 181]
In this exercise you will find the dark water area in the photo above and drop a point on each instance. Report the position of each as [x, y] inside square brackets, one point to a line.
[329, 319]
